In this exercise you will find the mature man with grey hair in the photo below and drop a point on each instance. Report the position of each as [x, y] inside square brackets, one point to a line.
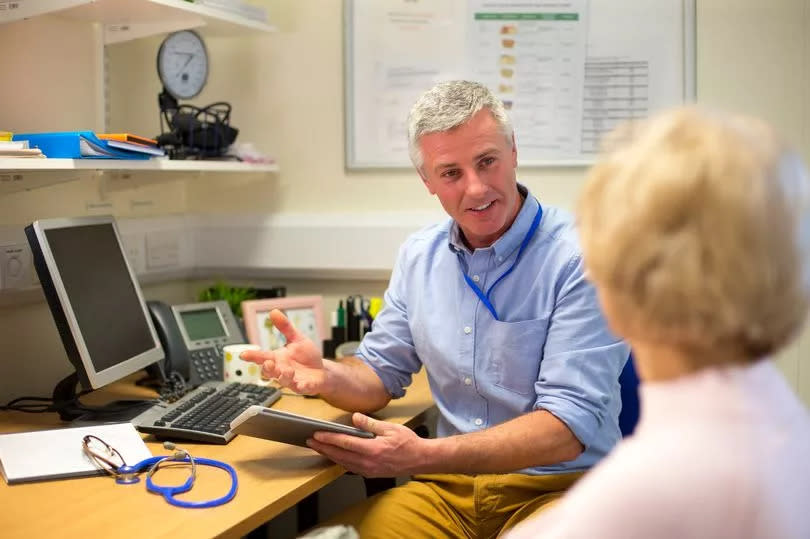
[494, 305]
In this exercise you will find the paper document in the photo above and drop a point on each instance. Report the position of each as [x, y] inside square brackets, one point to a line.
[136, 147]
[58, 454]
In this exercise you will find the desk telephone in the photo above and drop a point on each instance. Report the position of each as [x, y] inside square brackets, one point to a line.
[192, 336]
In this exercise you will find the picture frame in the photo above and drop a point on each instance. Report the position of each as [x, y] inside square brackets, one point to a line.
[305, 313]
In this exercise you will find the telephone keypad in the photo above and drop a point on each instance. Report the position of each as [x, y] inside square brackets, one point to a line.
[208, 363]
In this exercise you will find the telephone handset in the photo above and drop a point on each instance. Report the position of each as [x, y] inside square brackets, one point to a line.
[192, 336]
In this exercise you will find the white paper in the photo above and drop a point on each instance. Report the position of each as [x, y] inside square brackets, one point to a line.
[413, 45]
[532, 56]
[56, 454]
[570, 70]
[629, 75]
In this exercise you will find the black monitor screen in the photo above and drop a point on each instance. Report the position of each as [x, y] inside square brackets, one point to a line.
[96, 279]
[202, 324]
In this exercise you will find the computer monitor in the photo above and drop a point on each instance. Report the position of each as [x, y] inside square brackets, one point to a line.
[94, 298]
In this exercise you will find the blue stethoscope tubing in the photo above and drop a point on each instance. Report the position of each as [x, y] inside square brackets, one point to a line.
[480, 293]
[169, 492]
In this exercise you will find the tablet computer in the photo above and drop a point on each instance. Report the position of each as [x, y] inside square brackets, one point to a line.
[286, 427]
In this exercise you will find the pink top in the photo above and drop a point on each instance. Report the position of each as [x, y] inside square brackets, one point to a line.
[723, 453]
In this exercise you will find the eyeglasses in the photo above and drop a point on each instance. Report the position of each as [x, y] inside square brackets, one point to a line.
[107, 458]
[102, 454]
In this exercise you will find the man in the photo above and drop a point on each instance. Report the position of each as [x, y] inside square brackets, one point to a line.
[494, 305]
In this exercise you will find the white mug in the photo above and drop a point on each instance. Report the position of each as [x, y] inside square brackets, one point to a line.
[235, 369]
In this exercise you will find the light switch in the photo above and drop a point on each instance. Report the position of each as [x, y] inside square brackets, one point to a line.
[16, 266]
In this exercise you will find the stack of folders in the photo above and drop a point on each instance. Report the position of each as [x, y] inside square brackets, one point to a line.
[89, 145]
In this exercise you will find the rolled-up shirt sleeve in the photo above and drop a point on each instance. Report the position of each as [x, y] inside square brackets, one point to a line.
[582, 360]
[388, 348]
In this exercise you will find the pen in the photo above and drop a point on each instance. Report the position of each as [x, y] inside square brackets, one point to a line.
[341, 315]
[365, 317]
[352, 321]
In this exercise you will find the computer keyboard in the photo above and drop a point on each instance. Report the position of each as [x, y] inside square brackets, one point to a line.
[204, 414]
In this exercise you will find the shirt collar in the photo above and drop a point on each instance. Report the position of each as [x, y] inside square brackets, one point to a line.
[510, 241]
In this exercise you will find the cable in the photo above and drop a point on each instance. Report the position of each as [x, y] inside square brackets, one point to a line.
[39, 406]
[43, 405]
[189, 132]
[174, 387]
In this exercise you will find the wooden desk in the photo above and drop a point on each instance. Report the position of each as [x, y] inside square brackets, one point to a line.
[272, 478]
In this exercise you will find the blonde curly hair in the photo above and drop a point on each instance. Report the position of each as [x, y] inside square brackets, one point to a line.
[697, 225]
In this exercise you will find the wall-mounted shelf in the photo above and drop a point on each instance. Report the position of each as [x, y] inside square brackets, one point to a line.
[26, 174]
[13, 164]
[123, 20]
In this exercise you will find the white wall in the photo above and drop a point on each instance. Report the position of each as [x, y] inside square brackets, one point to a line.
[51, 81]
[755, 57]
[287, 93]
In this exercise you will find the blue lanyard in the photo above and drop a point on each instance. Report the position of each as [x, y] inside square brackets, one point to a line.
[485, 297]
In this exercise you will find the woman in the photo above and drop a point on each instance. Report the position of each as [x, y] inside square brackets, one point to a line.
[696, 232]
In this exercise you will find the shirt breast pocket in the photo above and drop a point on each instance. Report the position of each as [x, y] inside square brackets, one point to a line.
[513, 351]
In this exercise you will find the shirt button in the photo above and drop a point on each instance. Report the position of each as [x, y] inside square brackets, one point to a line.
[476, 278]
[479, 421]
[468, 381]
[500, 259]
[467, 330]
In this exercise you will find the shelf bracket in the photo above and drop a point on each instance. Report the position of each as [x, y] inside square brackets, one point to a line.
[117, 33]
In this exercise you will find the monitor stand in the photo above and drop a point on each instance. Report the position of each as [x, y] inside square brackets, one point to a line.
[66, 403]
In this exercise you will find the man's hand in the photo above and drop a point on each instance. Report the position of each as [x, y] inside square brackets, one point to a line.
[396, 450]
[298, 365]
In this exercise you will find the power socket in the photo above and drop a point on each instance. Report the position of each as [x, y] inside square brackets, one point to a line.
[17, 266]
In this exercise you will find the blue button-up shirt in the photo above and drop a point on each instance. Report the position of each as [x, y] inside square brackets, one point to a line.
[551, 349]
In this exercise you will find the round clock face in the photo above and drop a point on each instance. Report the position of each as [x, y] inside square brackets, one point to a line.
[183, 64]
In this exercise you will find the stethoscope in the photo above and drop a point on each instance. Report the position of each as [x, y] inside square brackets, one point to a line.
[128, 475]
[484, 297]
